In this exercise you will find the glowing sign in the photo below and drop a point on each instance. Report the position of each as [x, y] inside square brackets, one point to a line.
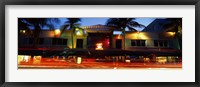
[128, 61]
[23, 58]
[99, 46]
[79, 60]
[161, 60]
[37, 59]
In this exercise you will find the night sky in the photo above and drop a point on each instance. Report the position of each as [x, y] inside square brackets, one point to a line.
[95, 21]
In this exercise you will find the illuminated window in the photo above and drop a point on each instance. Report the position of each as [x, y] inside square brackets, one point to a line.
[138, 42]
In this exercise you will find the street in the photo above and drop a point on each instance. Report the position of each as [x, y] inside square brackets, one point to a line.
[47, 63]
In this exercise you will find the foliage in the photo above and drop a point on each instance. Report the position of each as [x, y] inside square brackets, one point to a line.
[122, 23]
[36, 24]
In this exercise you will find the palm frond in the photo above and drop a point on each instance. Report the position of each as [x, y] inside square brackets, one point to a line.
[50, 26]
[130, 19]
[135, 24]
[173, 25]
[132, 29]
[72, 21]
[112, 22]
[22, 25]
[64, 28]
[122, 23]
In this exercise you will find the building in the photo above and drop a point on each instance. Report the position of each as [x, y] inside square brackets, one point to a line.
[140, 44]
[156, 26]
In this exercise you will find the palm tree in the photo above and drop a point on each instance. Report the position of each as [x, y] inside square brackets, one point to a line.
[72, 24]
[23, 26]
[37, 24]
[175, 25]
[122, 24]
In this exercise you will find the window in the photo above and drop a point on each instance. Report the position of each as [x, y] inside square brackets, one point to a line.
[47, 41]
[161, 43]
[25, 40]
[54, 41]
[64, 41]
[137, 42]
[155, 43]
[165, 43]
[41, 40]
[59, 41]
[31, 40]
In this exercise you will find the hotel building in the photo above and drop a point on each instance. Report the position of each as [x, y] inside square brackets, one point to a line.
[161, 46]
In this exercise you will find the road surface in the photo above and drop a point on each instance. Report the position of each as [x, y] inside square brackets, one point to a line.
[64, 64]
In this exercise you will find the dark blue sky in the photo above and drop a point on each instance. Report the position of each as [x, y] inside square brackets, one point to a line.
[95, 21]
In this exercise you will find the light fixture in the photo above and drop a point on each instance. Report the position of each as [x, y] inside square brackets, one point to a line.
[24, 31]
[138, 32]
[78, 32]
[138, 35]
[57, 31]
[172, 33]
[119, 36]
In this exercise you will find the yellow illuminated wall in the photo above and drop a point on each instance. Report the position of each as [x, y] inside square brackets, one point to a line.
[115, 37]
[149, 38]
[49, 34]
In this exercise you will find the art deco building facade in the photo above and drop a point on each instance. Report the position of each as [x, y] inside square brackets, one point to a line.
[141, 43]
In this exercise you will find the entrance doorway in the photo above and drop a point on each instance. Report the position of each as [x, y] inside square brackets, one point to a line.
[119, 43]
[94, 38]
[79, 43]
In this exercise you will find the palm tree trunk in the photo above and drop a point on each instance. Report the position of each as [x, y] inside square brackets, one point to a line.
[72, 37]
[111, 39]
[36, 36]
[124, 36]
[177, 42]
